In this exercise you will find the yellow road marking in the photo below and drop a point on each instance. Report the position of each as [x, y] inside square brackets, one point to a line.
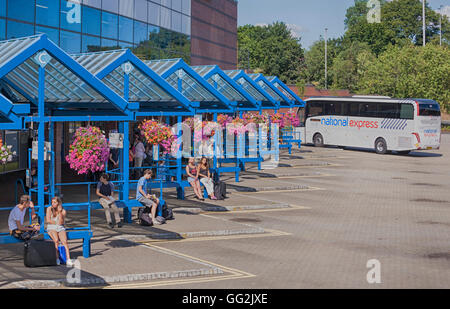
[235, 273]
[290, 190]
[306, 176]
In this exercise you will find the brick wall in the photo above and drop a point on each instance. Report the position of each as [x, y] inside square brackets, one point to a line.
[214, 33]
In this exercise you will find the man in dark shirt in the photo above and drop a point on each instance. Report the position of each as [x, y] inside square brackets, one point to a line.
[105, 191]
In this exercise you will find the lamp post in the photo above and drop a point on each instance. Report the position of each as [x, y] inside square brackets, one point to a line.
[326, 59]
[423, 20]
[440, 25]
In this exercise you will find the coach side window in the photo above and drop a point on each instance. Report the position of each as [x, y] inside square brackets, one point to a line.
[315, 109]
[351, 109]
[388, 110]
[368, 110]
[406, 111]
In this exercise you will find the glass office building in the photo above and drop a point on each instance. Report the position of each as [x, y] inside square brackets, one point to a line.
[154, 29]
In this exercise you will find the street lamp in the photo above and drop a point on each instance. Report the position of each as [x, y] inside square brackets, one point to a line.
[326, 59]
[440, 25]
[423, 20]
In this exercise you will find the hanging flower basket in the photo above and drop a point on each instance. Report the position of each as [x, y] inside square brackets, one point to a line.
[223, 120]
[291, 120]
[157, 134]
[6, 155]
[89, 151]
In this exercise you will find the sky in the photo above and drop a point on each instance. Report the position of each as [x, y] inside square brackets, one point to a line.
[306, 18]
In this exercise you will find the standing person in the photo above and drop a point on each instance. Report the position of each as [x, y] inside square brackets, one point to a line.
[205, 177]
[55, 218]
[113, 162]
[139, 156]
[148, 200]
[16, 217]
[105, 190]
[192, 173]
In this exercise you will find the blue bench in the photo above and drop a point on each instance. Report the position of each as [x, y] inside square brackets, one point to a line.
[85, 235]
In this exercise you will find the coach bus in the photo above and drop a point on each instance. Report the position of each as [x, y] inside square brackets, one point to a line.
[375, 122]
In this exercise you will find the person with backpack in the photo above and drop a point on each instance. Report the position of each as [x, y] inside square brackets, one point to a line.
[105, 190]
[148, 200]
[16, 218]
[205, 177]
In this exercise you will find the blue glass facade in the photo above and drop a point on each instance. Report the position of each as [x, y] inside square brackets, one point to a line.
[92, 25]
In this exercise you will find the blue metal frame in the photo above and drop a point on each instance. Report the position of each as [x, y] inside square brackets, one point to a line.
[209, 71]
[284, 102]
[270, 102]
[298, 102]
[175, 65]
[8, 114]
[17, 52]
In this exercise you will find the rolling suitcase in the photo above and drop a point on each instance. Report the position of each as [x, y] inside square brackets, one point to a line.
[39, 253]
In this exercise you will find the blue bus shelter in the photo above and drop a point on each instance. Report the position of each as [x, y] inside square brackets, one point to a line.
[131, 78]
[273, 91]
[57, 89]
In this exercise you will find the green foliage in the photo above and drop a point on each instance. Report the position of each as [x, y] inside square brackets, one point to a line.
[348, 66]
[410, 72]
[314, 72]
[271, 49]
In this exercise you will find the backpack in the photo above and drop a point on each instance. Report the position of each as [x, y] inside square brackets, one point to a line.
[144, 218]
[161, 220]
[167, 213]
[220, 190]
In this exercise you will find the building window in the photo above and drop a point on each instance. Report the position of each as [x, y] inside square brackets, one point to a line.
[53, 34]
[2, 29]
[109, 25]
[21, 9]
[165, 18]
[90, 44]
[70, 42]
[125, 29]
[176, 21]
[93, 3]
[186, 24]
[126, 8]
[111, 6]
[18, 30]
[176, 5]
[3, 8]
[186, 7]
[167, 3]
[154, 14]
[71, 15]
[91, 21]
[140, 32]
[110, 43]
[140, 10]
[47, 12]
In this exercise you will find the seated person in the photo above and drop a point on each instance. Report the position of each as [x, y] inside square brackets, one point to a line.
[148, 200]
[105, 190]
[55, 218]
[205, 177]
[16, 217]
[192, 173]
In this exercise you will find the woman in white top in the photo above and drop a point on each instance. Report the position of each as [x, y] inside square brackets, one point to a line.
[55, 218]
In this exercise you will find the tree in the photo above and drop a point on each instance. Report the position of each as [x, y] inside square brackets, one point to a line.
[409, 72]
[348, 64]
[271, 50]
[314, 71]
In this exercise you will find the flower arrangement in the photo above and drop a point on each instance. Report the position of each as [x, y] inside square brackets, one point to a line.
[291, 119]
[277, 118]
[89, 150]
[157, 134]
[6, 155]
[254, 118]
[223, 120]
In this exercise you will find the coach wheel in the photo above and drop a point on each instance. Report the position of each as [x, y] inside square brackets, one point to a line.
[318, 140]
[380, 146]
